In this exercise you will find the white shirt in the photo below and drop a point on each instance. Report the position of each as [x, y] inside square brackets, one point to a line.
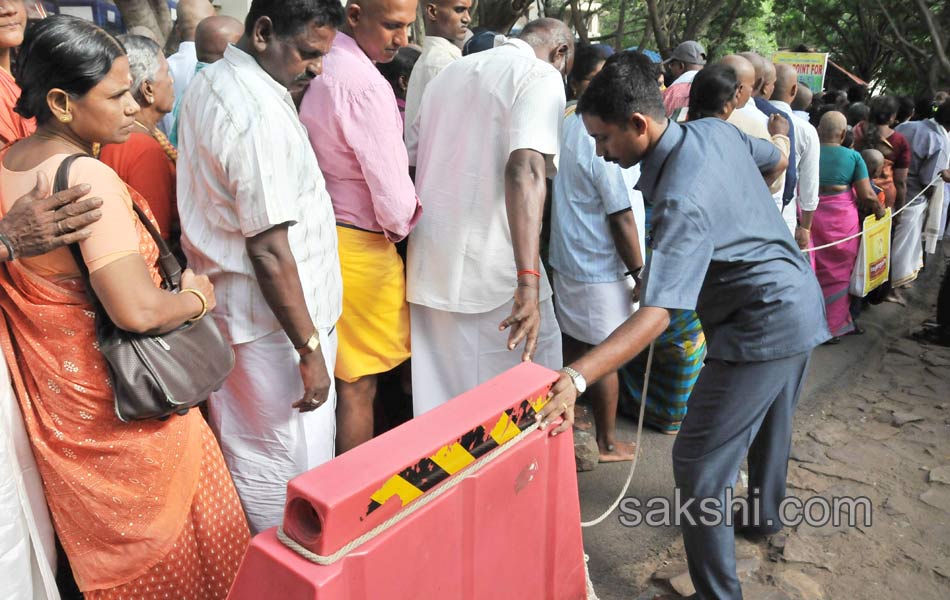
[182, 66]
[245, 166]
[460, 254]
[807, 154]
[437, 53]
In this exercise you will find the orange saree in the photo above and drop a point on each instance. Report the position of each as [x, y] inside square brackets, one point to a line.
[125, 498]
[13, 127]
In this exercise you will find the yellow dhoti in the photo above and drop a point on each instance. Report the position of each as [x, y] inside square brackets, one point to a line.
[373, 330]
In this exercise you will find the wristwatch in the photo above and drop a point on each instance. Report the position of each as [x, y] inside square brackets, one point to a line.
[311, 346]
[580, 384]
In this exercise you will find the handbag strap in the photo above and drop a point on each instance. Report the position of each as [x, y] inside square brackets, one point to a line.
[168, 265]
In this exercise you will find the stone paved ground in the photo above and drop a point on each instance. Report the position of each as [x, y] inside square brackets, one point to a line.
[887, 440]
[886, 436]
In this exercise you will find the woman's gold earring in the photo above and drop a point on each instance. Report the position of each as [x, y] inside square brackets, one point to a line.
[66, 118]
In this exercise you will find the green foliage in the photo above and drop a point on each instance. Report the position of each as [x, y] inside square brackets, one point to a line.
[885, 42]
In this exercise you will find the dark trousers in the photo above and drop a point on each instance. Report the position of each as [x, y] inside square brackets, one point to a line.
[736, 408]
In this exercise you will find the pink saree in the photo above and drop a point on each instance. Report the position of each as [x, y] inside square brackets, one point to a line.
[836, 218]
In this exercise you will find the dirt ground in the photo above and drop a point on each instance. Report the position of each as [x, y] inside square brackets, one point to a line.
[885, 436]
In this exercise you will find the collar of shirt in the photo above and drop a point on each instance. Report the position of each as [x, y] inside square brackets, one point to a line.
[187, 49]
[243, 61]
[752, 110]
[785, 107]
[652, 164]
[345, 43]
[439, 44]
[686, 77]
[521, 46]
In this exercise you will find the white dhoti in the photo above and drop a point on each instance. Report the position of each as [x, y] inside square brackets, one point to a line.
[27, 550]
[265, 441]
[907, 250]
[589, 312]
[455, 352]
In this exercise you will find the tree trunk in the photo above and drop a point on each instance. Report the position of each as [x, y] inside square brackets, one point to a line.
[621, 25]
[577, 20]
[658, 23]
[937, 37]
[501, 15]
[153, 14]
[419, 25]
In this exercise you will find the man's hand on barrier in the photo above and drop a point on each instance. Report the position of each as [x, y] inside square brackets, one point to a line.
[524, 321]
[561, 400]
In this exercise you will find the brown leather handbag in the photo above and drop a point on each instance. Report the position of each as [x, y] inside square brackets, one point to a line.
[154, 377]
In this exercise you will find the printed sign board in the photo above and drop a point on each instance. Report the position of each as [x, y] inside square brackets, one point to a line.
[811, 67]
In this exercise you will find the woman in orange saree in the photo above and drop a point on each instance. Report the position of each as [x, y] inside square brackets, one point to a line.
[143, 510]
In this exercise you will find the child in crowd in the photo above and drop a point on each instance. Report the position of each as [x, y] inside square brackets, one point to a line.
[875, 163]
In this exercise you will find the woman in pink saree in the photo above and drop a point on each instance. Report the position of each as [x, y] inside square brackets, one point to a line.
[843, 185]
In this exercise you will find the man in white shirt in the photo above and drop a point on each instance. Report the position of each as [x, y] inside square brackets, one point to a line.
[802, 101]
[256, 217]
[183, 62]
[752, 121]
[807, 152]
[473, 265]
[446, 25]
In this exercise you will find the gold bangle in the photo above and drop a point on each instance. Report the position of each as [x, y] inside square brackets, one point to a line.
[204, 304]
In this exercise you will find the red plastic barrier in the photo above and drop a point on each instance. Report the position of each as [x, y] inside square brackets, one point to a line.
[510, 531]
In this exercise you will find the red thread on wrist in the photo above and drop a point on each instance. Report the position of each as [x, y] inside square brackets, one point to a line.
[529, 272]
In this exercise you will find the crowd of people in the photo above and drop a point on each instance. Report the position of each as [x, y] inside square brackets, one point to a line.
[353, 223]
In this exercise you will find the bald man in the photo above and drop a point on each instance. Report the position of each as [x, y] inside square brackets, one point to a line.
[183, 62]
[752, 121]
[213, 36]
[765, 79]
[806, 155]
[802, 101]
[355, 130]
[446, 25]
[474, 273]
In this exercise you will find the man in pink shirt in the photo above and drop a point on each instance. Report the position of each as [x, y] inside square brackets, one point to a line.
[356, 131]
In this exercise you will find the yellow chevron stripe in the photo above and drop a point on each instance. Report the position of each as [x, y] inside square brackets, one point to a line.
[397, 486]
[538, 403]
[504, 429]
[452, 458]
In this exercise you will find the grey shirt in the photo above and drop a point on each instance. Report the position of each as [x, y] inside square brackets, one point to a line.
[720, 248]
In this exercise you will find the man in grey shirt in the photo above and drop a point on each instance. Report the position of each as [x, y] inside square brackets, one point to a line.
[719, 247]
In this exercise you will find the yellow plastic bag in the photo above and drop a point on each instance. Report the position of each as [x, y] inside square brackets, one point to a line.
[873, 265]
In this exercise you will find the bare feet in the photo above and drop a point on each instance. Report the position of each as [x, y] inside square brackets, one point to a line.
[617, 452]
[582, 418]
[896, 297]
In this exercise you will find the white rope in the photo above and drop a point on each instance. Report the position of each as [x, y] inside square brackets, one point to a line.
[636, 452]
[860, 233]
[413, 507]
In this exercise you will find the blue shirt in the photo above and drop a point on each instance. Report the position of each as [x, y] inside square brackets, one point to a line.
[586, 190]
[719, 246]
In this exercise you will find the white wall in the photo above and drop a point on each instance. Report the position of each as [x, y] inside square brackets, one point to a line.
[233, 8]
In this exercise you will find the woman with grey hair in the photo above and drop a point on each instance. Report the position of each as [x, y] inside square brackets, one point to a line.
[147, 160]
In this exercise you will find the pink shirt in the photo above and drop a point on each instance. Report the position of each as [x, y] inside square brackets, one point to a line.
[675, 97]
[355, 129]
